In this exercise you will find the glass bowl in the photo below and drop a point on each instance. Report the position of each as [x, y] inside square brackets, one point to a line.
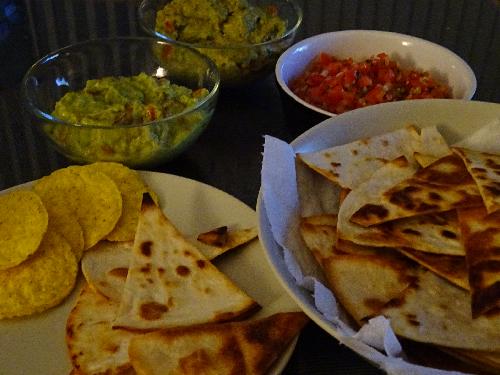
[239, 62]
[155, 139]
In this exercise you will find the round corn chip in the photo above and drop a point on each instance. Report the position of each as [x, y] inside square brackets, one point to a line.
[88, 195]
[40, 282]
[23, 223]
[131, 188]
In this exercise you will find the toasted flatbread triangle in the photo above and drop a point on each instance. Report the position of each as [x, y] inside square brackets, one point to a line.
[451, 267]
[319, 233]
[170, 283]
[352, 163]
[105, 265]
[481, 235]
[364, 283]
[435, 311]
[442, 186]
[93, 345]
[248, 347]
[485, 169]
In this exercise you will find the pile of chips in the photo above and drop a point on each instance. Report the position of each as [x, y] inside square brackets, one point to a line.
[413, 236]
[45, 229]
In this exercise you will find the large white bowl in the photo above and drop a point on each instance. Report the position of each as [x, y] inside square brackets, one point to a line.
[455, 119]
[408, 51]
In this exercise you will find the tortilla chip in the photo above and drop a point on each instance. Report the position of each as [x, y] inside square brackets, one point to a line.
[89, 196]
[481, 234]
[23, 223]
[485, 169]
[170, 283]
[131, 189]
[442, 186]
[249, 347]
[40, 282]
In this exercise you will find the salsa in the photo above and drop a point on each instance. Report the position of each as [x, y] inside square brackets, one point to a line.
[340, 85]
[110, 111]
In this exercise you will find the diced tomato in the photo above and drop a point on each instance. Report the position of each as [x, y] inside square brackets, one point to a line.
[375, 95]
[169, 26]
[364, 81]
[386, 75]
[151, 113]
[339, 85]
[166, 51]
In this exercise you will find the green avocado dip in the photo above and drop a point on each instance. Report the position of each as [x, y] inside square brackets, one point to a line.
[222, 23]
[110, 111]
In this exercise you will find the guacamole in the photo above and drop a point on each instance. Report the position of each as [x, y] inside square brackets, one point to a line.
[122, 103]
[222, 23]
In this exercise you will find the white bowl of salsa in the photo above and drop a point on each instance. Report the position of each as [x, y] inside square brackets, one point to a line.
[339, 71]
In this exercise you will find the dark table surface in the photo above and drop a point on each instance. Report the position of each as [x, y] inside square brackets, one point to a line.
[229, 154]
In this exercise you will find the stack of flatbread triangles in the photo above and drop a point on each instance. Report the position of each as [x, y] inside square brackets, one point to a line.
[416, 238]
[158, 305]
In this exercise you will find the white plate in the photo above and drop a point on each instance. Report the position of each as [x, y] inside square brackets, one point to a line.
[36, 344]
[454, 118]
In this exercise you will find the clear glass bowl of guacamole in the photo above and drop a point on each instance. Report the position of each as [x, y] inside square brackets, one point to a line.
[137, 101]
[243, 37]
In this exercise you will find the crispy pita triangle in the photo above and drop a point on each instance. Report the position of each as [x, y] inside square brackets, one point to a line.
[481, 234]
[434, 311]
[248, 347]
[442, 186]
[170, 283]
[485, 169]
[450, 267]
[105, 265]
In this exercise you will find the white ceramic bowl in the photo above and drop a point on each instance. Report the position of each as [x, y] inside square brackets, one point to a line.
[408, 51]
[455, 119]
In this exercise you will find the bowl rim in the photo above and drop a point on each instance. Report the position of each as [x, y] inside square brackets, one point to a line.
[282, 61]
[291, 31]
[28, 104]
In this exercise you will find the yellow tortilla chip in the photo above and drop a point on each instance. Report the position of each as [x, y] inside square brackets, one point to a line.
[88, 195]
[23, 223]
[131, 188]
[40, 282]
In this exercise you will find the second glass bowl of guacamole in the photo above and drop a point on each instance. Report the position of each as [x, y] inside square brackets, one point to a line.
[243, 37]
[137, 101]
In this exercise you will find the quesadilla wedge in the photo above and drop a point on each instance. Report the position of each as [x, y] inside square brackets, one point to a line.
[442, 186]
[481, 234]
[247, 347]
[485, 169]
[170, 283]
